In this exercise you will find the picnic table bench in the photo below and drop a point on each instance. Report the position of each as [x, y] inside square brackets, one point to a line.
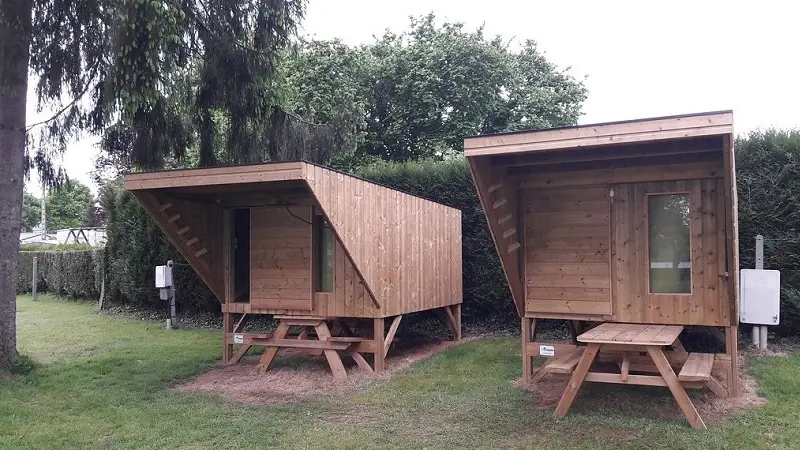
[631, 339]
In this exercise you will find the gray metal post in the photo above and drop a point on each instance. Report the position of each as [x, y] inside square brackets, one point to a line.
[172, 323]
[760, 337]
[35, 279]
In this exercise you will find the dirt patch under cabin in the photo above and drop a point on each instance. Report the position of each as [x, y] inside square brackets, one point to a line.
[646, 401]
[295, 376]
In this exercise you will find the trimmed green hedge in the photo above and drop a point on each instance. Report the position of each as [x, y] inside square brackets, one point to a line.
[768, 182]
[68, 273]
[486, 293]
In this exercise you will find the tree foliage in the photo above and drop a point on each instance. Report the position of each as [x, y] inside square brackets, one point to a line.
[159, 77]
[149, 75]
[68, 206]
[31, 211]
[421, 91]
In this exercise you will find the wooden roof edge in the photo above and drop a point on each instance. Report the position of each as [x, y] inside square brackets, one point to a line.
[600, 134]
[400, 191]
[208, 176]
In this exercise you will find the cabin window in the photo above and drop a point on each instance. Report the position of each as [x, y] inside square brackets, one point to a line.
[669, 248]
[325, 241]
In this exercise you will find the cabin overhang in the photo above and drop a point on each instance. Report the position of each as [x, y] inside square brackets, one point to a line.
[568, 211]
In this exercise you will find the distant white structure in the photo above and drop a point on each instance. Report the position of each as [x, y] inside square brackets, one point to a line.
[94, 236]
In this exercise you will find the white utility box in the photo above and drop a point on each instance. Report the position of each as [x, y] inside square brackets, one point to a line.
[759, 296]
[163, 276]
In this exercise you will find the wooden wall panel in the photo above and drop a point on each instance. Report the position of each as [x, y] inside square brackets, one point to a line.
[567, 244]
[392, 239]
[708, 302]
[642, 174]
[280, 258]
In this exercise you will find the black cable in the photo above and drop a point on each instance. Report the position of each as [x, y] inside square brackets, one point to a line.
[294, 215]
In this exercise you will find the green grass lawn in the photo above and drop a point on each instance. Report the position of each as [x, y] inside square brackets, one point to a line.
[104, 382]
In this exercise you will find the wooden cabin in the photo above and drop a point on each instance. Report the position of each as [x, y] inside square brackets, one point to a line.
[626, 222]
[330, 255]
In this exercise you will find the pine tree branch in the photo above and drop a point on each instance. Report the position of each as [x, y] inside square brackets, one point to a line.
[68, 105]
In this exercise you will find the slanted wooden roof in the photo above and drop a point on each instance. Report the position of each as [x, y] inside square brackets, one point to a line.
[390, 236]
[602, 134]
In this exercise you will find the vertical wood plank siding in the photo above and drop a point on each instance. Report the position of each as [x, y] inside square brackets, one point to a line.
[393, 238]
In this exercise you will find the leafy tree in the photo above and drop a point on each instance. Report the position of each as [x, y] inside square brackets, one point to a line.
[423, 90]
[31, 211]
[147, 73]
[67, 206]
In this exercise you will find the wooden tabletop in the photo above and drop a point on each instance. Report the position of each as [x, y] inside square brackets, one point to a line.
[631, 334]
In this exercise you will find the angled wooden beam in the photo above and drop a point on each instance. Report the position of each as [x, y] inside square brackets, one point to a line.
[390, 335]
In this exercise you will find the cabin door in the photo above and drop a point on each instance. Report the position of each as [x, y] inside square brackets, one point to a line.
[567, 260]
[281, 258]
[669, 253]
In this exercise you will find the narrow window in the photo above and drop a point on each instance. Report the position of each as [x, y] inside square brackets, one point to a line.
[325, 244]
[668, 244]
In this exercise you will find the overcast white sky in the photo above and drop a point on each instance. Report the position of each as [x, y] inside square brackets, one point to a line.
[640, 58]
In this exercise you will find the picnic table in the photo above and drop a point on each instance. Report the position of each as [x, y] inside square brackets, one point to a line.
[635, 337]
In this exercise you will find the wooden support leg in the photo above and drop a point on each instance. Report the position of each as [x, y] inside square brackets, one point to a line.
[239, 354]
[241, 323]
[573, 331]
[577, 379]
[379, 335]
[526, 360]
[227, 327]
[454, 318]
[732, 349]
[684, 402]
[323, 333]
[270, 352]
[716, 387]
[387, 342]
[625, 368]
[362, 363]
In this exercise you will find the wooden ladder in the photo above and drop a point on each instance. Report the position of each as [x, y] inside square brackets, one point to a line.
[193, 243]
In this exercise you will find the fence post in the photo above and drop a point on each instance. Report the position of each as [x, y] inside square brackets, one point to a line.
[34, 279]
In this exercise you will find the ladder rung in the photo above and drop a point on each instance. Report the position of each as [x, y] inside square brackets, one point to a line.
[509, 232]
[174, 218]
[513, 247]
[500, 203]
[165, 207]
[495, 187]
[183, 231]
[505, 218]
[192, 241]
[201, 252]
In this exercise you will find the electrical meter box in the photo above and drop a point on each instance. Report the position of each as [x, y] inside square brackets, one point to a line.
[163, 276]
[759, 296]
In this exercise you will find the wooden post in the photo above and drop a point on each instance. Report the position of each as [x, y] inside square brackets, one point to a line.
[379, 335]
[732, 350]
[35, 280]
[526, 360]
[102, 294]
[227, 274]
[227, 328]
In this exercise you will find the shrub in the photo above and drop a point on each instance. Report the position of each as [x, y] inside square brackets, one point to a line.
[768, 182]
[64, 272]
